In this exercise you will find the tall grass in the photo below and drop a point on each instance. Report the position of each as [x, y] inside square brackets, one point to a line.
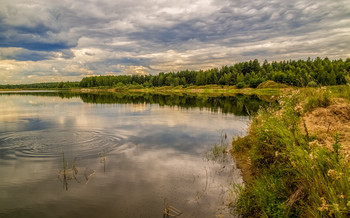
[294, 177]
[340, 91]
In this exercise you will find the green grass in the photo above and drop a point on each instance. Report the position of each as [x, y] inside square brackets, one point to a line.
[292, 178]
[340, 91]
[212, 90]
[199, 90]
[271, 84]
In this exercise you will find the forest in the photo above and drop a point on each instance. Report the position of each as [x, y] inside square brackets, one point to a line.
[300, 73]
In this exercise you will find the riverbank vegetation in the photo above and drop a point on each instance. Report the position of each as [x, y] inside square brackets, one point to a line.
[211, 90]
[295, 159]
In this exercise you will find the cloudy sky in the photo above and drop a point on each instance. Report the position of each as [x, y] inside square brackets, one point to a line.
[49, 40]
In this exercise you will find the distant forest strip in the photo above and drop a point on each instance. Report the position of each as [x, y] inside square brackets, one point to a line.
[51, 85]
[300, 73]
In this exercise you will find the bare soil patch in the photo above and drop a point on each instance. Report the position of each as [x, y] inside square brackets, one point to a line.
[326, 122]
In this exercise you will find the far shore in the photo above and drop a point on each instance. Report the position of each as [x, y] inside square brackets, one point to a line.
[192, 90]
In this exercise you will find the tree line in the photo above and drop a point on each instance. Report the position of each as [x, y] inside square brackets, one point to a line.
[300, 73]
[244, 74]
[51, 85]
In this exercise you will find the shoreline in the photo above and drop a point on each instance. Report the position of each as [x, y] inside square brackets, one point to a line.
[211, 90]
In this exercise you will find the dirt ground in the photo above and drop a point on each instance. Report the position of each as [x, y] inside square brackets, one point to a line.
[326, 122]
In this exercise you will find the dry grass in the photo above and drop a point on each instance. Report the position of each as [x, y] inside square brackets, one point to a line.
[326, 122]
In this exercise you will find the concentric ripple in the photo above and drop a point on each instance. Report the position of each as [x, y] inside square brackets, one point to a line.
[52, 142]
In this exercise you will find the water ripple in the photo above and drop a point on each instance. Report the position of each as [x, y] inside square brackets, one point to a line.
[52, 142]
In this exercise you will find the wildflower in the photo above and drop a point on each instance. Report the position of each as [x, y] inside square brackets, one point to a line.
[313, 144]
[298, 109]
[331, 173]
[336, 207]
[311, 156]
[330, 213]
[334, 174]
[324, 206]
[293, 164]
[341, 196]
[276, 153]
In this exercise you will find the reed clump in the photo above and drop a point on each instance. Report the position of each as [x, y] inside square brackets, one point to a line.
[220, 149]
[69, 173]
[293, 175]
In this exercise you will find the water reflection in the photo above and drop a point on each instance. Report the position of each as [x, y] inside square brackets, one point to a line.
[130, 158]
[242, 105]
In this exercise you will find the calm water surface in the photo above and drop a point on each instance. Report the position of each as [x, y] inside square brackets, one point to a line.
[66, 156]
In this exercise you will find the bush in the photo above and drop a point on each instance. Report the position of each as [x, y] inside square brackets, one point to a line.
[240, 85]
[271, 84]
[255, 82]
[120, 84]
[312, 84]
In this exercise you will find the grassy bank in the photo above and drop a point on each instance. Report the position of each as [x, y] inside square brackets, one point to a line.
[288, 168]
[207, 89]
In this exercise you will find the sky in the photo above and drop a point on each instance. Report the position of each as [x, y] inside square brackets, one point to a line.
[66, 40]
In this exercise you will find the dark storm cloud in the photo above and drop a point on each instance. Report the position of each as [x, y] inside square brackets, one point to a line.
[37, 55]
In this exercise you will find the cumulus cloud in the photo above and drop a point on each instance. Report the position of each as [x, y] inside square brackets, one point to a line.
[80, 38]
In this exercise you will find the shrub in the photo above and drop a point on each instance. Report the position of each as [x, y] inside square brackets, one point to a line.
[255, 82]
[271, 84]
[312, 84]
[240, 85]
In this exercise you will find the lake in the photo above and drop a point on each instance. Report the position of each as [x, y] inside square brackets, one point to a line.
[68, 154]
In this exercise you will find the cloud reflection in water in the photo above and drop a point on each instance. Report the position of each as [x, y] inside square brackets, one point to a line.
[154, 154]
